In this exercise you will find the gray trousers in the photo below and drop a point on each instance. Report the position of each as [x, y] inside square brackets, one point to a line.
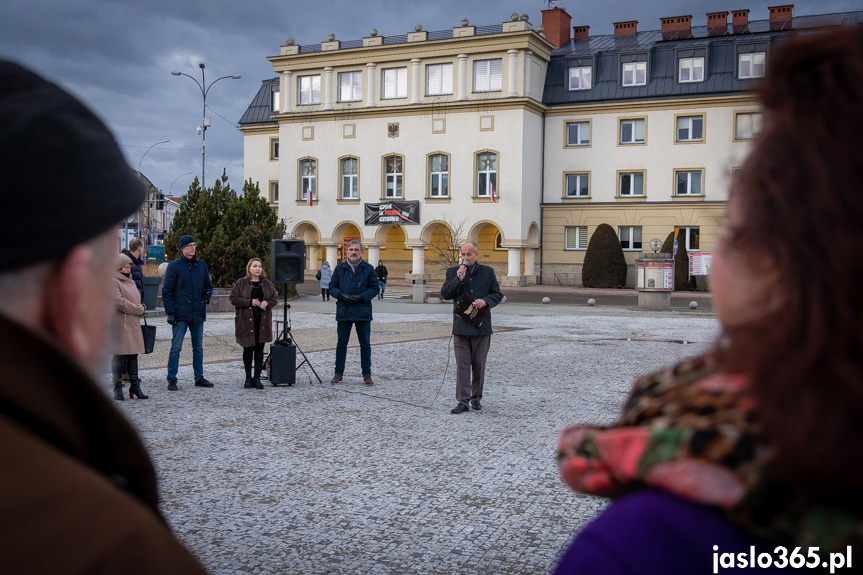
[470, 354]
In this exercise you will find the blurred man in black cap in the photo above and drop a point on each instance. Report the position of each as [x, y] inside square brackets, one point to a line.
[77, 489]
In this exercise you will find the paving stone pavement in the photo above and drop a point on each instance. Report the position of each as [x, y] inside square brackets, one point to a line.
[321, 479]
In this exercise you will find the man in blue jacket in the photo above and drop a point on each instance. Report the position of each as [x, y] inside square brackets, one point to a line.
[354, 285]
[470, 342]
[186, 291]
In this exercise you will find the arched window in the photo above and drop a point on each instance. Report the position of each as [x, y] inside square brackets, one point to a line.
[393, 177]
[486, 175]
[350, 178]
[308, 179]
[439, 176]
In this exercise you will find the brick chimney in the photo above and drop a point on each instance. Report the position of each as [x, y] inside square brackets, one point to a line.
[780, 17]
[740, 21]
[556, 23]
[629, 28]
[580, 32]
[676, 27]
[717, 23]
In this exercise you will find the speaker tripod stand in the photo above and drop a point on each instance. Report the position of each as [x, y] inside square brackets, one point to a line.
[287, 339]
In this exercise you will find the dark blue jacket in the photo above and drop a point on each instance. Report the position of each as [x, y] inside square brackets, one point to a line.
[137, 272]
[362, 281]
[187, 289]
[479, 283]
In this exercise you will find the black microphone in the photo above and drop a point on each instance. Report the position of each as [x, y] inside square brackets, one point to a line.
[463, 263]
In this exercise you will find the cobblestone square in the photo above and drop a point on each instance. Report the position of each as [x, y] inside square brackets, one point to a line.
[320, 479]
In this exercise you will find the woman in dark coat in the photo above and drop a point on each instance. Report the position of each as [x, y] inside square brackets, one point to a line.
[129, 341]
[254, 297]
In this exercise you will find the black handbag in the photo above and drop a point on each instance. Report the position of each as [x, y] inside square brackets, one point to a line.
[149, 332]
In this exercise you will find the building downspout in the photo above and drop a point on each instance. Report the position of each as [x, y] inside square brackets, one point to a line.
[541, 192]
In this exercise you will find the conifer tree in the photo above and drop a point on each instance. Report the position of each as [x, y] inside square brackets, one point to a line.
[604, 263]
[229, 229]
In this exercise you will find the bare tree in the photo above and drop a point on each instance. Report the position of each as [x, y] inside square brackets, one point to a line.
[444, 245]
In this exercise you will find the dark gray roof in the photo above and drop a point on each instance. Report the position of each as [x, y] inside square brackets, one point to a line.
[661, 52]
[260, 110]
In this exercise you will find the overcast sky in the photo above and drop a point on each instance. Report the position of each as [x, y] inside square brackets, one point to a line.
[117, 56]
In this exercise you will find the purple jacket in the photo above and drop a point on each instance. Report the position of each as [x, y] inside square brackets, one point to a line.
[655, 533]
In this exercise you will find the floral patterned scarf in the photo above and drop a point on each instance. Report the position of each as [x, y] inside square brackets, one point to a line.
[694, 432]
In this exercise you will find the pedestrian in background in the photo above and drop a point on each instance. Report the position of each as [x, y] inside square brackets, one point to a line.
[254, 297]
[128, 340]
[753, 450]
[186, 292]
[135, 251]
[382, 272]
[325, 274]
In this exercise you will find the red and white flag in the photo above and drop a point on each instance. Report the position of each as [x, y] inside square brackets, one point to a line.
[493, 197]
[311, 198]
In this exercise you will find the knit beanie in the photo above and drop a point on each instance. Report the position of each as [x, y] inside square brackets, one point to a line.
[186, 240]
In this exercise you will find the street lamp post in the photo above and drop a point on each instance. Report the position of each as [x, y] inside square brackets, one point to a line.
[205, 122]
[148, 194]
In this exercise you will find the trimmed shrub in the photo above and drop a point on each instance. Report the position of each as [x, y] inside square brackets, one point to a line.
[604, 264]
[681, 262]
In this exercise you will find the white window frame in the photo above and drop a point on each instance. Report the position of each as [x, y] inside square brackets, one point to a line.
[632, 70]
[692, 67]
[750, 129]
[394, 83]
[630, 233]
[394, 180]
[274, 100]
[274, 192]
[351, 86]
[274, 148]
[441, 175]
[751, 65]
[689, 123]
[582, 180]
[580, 78]
[635, 123]
[439, 79]
[488, 75]
[575, 238]
[583, 127]
[349, 182]
[309, 90]
[308, 179]
[634, 177]
[690, 179]
[486, 175]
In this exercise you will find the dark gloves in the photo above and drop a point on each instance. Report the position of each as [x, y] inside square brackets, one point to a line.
[171, 319]
[351, 298]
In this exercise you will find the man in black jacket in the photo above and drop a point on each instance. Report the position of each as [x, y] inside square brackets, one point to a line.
[135, 251]
[471, 342]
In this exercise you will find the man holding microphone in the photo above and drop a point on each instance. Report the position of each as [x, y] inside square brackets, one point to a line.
[471, 342]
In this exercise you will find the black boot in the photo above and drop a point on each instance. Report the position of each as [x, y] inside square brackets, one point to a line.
[134, 380]
[135, 390]
[256, 381]
[118, 390]
[248, 384]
